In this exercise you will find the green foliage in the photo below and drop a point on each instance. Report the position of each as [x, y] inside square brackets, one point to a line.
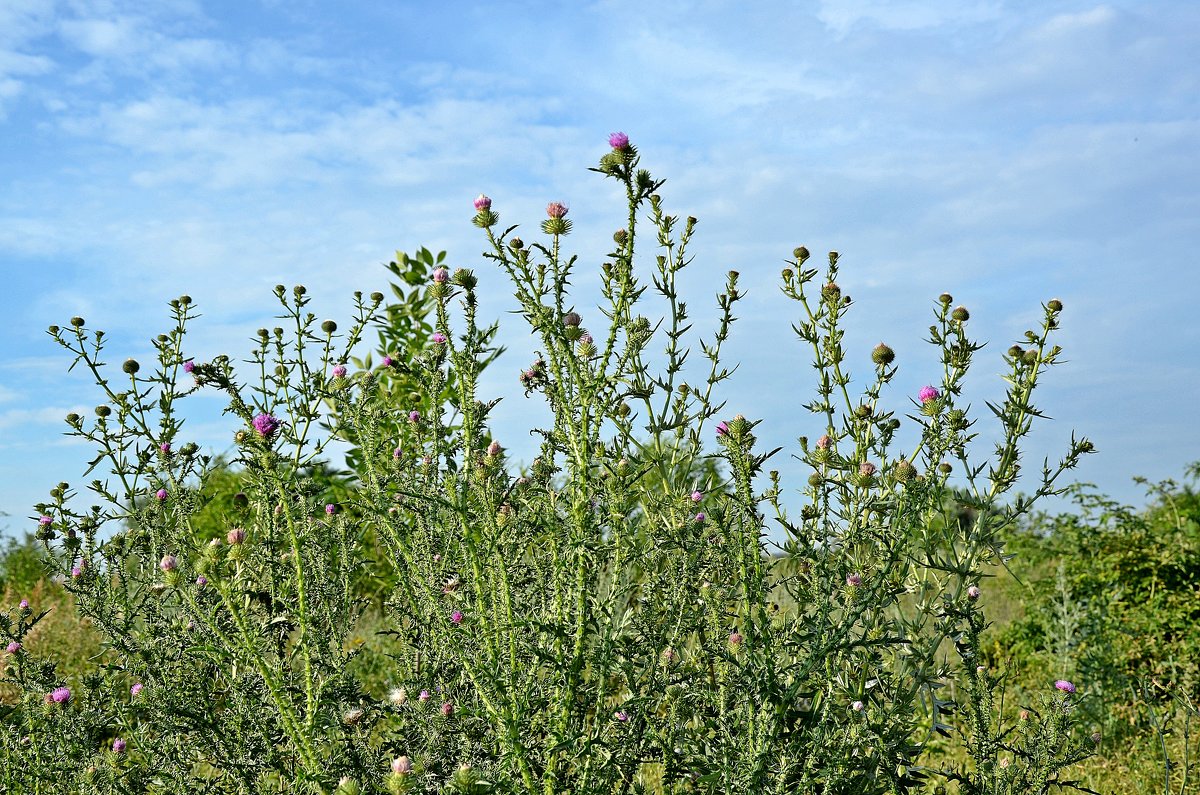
[609, 621]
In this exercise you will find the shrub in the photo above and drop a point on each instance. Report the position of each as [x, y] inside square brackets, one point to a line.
[608, 621]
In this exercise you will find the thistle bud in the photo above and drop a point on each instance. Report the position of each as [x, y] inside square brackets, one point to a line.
[329, 326]
[620, 236]
[946, 299]
[961, 314]
[1054, 305]
[883, 355]
[131, 366]
[903, 471]
[801, 254]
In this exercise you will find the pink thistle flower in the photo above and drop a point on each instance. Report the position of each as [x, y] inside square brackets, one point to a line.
[700, 517]
[438, 338]
[456, 617]
[618, 140]
[339, 371]
[266, 425]
[168, 563]
[928, 393]
[482, 202]
[136, 690]
[441, 276]
[494, 449]
[423, 696]
[866, 469]
[621, 715]
[46, 521]
[160, 495]
[13, 647]
[60, 695]
[118, 746]
[165, 448]
[973, 592]
[402, 766]
[77, 571]
[854, 580]
[399, 451]
[235, 536]
[722, 428]
[23, 605]
[447, 708]
[697, 496]
[202, 581]
[414, 417]
[824, 442]
[330, 509]
[556, 209]
[1065, 686]
[387, 361]
[189, 366]
[735, 639]
[857, 706]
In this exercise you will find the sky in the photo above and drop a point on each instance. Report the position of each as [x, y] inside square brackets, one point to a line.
[1004, 152]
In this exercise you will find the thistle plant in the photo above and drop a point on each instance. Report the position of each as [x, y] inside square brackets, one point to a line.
[609, 619]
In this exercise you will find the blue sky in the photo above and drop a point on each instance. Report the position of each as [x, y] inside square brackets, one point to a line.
[1005, 152]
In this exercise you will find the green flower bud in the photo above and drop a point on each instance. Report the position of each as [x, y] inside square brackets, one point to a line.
[883, 355]
[1054, 305]
[464, 278]
[961, 314]
[946, 299]
[77, 321]
[103, 411]
[801, 254]
[329, 326]
[376, 297]
[131, 366]
[903, 471]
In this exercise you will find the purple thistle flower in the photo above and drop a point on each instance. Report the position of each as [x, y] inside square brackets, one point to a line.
[482, 202]
[438, 338]
[857, 706]
[386, 361]
[700, 517]
[60, 695]
[854, 580]
[456, 617]
[118, 746]
[447, 708]
[168, 563]
[402, 765]
[423, 696]
[618, 140]
[722, 428]
[235, 536]
[76, 572]
[1065, 686]
[928, 393]
[824, 442]
[189, 366]
[339, 371]
[621, 715]
[494, 449]
[399, 451]
[556, 209]
[735, 639]
[414, 416]
[330, 509]
[46, 521]
[13, 647]
[266, 425]
[23, 605]
[160, 495]
[165, 448]
[973, 592]
[202, 581]
[866, 469]
[136, 690]
[441, 276]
